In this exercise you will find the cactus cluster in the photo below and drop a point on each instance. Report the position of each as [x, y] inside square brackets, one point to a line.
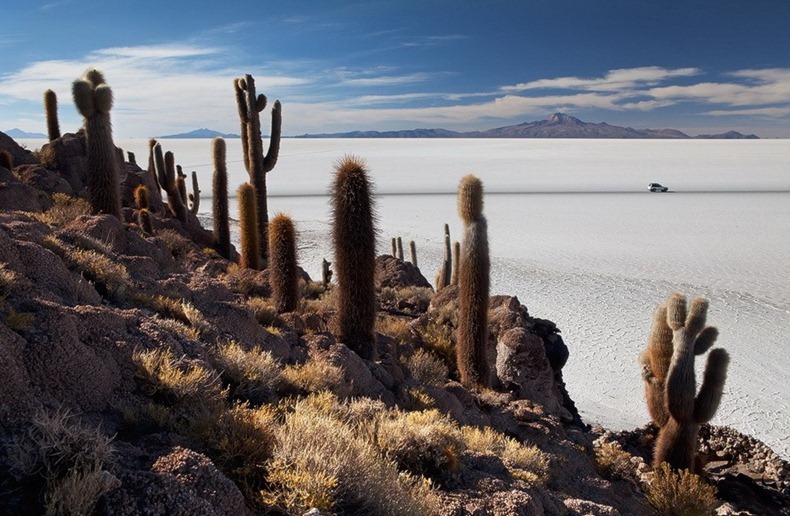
[93, 98]
[354, 239]
[166, 172]
[676, 337]
[473, 284]
[257, 164]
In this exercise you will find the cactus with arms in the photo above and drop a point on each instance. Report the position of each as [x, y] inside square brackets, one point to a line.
[93, 98]
[670, 384]
[250, 105]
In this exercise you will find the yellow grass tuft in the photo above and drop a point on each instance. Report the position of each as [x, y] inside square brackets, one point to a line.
[252, 374]
[679, 494]
[64, 209]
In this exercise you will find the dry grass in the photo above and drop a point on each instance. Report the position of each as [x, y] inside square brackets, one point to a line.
[326, 301]
[253, 374]
[311, 289]
[178, 329]
[679, 494]
[263, 310]
[78, 492]
[399, 328]
[18, 321]
[108, 276]
[177, 380]
[240, 280]
[427, 368]
[316, 375]
[320, 459]
[46, 156]
[165, 306]
[438, 338]
[8, 279]
[418, 296]
[614, 463]
[524, 462]
[179, 246]
[64, 209]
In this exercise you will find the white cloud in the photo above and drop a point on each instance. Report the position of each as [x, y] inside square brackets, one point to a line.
[388, 80]
[614, 80]
[767, 86]
[770, 112]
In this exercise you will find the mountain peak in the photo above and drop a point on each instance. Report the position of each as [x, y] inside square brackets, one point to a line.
[562, 118]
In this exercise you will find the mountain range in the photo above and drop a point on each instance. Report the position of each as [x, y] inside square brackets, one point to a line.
[558, 125]
[19, 133]
[198, 133]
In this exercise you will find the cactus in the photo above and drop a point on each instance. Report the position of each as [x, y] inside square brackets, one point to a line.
[326, 273]
[141, 198]
[394, 247]
[456, 263]
[132, 159]
[250, 105]
[219, 199]
[166, 171]
[151, 165]
[181, 185]
[413, 253]
[670, 384]
[51, 113]
[400, 249]
[93, 98]
[6, 160]
[444, 274]
[283, 274]
[473, 283]
[194, 197]
[248, 227]
[354, 238]
[144, 221]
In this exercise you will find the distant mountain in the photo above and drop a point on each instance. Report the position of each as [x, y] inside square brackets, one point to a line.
[558, 125]
[19, 133]
[198, 133]
[729, 135]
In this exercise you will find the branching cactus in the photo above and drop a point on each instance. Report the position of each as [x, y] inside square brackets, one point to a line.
[219, 199]
[166, 171]
[473, 286]
[354, 238]
[194, 197]
[93, 98]
[283, 274]
[676, 337]
[248, 227]
[51, 113]
[258, 165]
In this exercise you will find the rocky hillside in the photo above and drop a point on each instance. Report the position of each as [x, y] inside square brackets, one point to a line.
[144, 374]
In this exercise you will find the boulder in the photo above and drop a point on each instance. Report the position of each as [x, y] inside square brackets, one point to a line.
[394, 273]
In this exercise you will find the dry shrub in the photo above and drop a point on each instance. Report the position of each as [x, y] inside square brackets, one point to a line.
[424, 443]
[416, 296]
[178, 328]
[46, 156]
[178, 245]
[333, 464]
[64, 209]
[178, 381]
[108, 276]
[614, 463]
[18, 321]
[195, 317]
[679, 494]
[438, 338]
[252, 374]
[316, 375]
[240, 280]
[165, 306]
[8, 279]
[399, 328]
[68, 457]
[524, 462]
[311, 289]
[263, 310]
[327, 301]
[426, 368]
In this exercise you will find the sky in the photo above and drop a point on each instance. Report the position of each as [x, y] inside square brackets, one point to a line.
[699, 66]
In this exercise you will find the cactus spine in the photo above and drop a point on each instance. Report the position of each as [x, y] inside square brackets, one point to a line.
[670, 385]
[194, 197]
[248, 227]
[354, 238]
[250, 105]
[473, 283]
[283, 274]
[51, 112]
[413, 253]
[219, 199]
[93, 98]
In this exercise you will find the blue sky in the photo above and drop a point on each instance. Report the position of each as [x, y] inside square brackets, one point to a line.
[698, 66]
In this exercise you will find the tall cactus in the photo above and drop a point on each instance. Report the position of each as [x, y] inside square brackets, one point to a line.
[444, 275]
[248, 227]
[399, 246]
[670, 384]
[194, 197]
[283, 274]
[151, 166]
[354, 238]
[93, 98]
[51, 113]
[219, 199]
[413, 253]
[473, 284]
[456, 263]
[250, 105]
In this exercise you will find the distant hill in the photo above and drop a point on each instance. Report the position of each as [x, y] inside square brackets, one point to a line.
[19, 133]
[558, 125]
[198, 133]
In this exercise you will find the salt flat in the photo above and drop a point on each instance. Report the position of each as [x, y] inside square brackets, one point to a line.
[576, 236]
